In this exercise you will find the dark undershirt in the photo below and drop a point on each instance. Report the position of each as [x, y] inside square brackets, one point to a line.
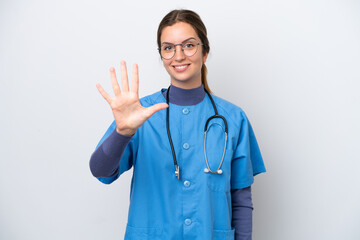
[104, 162]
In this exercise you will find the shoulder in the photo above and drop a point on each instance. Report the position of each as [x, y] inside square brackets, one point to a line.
[231, 111]
[152, 99]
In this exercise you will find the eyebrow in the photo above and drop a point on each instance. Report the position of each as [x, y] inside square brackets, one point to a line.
[181, 42]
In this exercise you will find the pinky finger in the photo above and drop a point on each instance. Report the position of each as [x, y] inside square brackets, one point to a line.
[103, 93]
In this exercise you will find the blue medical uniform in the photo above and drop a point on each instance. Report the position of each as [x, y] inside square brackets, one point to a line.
[198, 206]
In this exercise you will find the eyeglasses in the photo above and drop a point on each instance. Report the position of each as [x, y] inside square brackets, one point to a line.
[189, 48]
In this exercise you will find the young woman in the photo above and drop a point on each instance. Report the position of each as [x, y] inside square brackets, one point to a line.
[194, 154]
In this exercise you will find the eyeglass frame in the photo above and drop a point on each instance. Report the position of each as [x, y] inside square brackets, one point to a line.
[182, 49]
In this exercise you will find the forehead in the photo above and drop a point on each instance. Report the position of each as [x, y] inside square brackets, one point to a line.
[178, 32]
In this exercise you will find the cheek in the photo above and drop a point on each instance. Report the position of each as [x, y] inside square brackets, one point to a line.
[197, 59]
[166, 63]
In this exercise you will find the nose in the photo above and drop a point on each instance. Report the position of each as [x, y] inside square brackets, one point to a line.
[179, 54]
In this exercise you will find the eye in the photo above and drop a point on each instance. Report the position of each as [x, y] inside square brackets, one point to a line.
[189, 45]
[168, 48]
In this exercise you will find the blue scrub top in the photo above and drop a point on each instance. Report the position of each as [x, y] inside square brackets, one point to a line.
[198, 206]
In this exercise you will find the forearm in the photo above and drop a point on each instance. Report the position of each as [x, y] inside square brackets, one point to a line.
[242, 208]
[104, 162]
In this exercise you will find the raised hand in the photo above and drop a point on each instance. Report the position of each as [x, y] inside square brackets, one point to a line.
[128, 113]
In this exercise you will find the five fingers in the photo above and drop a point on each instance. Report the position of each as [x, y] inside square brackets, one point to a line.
[125, 86]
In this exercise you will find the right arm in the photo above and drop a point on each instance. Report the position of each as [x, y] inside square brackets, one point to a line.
[104, 162]
[129, 115]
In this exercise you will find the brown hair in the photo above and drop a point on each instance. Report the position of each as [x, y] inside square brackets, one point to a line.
[195, 21]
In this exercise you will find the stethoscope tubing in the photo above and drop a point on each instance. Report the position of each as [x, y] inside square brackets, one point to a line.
[208, 169]
[177, 170]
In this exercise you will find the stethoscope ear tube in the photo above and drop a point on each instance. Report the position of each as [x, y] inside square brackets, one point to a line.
[216, 116]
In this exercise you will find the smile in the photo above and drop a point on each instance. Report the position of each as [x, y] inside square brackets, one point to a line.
[181, 68]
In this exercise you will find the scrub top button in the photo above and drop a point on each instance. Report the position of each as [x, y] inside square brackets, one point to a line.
[187, 184]
[186, 146]
[187, 222]
[185, 111]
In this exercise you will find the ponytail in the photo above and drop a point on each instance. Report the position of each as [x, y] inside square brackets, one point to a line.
[204, 78]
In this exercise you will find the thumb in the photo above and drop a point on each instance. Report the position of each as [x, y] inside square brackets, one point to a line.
[155, 108]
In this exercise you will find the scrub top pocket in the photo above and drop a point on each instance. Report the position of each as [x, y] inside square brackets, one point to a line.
[136, 233]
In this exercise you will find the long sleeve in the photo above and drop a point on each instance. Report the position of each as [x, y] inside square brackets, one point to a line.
[104, 162]
[242, 208]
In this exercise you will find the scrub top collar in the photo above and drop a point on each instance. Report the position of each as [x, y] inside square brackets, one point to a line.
[185, 97]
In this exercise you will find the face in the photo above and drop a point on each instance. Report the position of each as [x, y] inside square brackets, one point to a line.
[184, 71]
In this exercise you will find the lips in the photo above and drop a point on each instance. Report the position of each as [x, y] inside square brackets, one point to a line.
[181, 68]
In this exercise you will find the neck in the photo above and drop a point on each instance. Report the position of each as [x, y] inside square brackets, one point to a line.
[185, 97]
[186, 84]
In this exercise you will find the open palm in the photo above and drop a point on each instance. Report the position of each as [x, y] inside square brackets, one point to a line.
[128, 113]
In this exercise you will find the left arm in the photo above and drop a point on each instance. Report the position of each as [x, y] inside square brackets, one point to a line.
[242, 208]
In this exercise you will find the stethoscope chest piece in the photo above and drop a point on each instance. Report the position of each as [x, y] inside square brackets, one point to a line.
[177, 172]
[206, 170]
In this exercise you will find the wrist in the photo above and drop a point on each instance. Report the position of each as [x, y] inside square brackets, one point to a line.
[125, 132]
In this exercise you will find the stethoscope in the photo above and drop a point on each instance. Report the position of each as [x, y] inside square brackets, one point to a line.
[207, 169]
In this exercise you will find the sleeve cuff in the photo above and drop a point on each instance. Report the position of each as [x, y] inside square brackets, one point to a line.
[114, 142]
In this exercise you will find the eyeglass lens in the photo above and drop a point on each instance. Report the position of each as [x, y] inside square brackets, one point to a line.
[168, 50]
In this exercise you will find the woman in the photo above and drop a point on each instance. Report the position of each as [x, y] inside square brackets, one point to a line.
[185, 185]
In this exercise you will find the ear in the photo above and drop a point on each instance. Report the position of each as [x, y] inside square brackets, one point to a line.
[204, 57]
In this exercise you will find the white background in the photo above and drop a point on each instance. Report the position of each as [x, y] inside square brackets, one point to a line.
[293, 66]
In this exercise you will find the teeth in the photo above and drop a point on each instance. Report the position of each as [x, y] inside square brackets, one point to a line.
[181, 67]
